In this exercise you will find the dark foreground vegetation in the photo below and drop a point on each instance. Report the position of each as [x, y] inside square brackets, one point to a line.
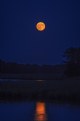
[47, 90]
[34, 96]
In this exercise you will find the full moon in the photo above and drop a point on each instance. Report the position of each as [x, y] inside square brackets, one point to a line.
[40, 26]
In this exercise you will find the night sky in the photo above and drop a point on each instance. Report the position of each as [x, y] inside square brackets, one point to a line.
[20, 41]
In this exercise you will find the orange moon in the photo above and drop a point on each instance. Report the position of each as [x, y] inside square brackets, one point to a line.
[40, 26]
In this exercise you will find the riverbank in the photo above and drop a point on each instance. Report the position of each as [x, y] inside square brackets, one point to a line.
[67, 90]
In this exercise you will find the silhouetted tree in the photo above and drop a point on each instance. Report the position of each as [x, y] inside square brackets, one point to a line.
[72, 62]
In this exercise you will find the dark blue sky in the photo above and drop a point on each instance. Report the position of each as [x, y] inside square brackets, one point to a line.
[20, 41]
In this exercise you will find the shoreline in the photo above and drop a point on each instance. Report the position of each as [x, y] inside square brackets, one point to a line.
[37, 92]
[50, 90]
[20, 98]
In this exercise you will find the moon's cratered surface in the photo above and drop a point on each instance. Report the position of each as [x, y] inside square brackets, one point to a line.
[40, 26]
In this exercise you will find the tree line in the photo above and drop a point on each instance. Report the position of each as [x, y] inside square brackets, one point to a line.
[72, 63]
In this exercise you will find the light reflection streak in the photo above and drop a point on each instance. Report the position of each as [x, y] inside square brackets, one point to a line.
[40, 114]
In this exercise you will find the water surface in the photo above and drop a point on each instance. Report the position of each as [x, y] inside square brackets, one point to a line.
[25, 111]
[63, 112]
[19, 111]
